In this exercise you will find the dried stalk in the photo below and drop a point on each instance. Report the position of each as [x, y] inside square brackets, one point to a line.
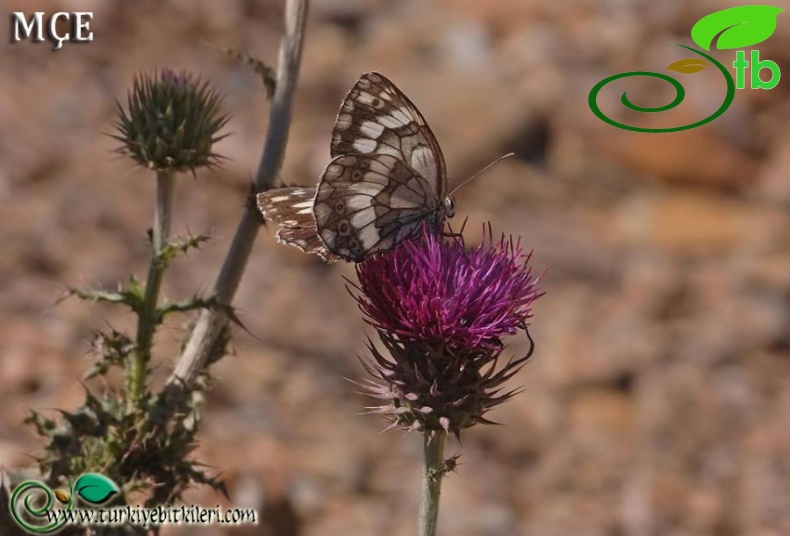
[212, 322]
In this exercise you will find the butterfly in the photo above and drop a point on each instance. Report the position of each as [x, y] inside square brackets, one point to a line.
[387, 178]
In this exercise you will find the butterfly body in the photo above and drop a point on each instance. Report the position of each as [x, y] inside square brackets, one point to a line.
[387, 177]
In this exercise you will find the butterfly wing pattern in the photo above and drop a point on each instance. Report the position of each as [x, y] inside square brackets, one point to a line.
[387, 176]
[291, 209]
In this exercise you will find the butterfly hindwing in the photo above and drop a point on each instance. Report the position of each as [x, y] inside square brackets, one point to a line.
[291, 209]
[367, 204]
[377, 118]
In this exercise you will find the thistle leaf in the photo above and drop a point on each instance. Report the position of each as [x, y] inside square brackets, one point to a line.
[182, 245]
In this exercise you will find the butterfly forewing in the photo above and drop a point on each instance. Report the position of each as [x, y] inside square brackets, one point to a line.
[377, 118]
[387, 176]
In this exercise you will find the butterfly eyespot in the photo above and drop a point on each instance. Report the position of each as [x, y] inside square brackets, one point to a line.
[376, 102]
[340, 206]
[344, 228]
[356, 175]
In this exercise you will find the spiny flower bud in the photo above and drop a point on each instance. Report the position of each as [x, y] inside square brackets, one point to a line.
[171, 122]
[441, 313]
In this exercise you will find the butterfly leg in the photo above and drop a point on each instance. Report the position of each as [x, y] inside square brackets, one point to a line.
[458, 237]
[451, 234]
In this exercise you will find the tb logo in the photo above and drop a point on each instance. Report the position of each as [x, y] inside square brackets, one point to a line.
[733, 28]
[741, 64]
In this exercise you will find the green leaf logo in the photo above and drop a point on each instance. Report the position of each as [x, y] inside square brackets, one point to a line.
[94, 488]
[740, 27]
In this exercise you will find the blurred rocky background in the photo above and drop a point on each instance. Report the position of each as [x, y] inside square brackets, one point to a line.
[658, 400]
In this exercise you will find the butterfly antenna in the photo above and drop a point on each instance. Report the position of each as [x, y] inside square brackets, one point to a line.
[508, 155]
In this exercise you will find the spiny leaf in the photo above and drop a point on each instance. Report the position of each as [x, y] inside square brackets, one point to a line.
[131, 295]
[42, 424]
[737, 27]
[202, 303]
[95, 488]
[182, 245]
[688, 65]
[109, 349]
[231, 314]
[183, 307]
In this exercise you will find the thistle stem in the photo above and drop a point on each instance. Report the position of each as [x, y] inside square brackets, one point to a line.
[432, 473]
[147, 322]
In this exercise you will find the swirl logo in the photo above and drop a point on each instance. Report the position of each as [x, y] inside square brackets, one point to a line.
[736, 27]
[33, 507]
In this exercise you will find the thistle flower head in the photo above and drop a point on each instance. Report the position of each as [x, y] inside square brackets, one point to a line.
[171, 122]
[441, 312]
[436, 292]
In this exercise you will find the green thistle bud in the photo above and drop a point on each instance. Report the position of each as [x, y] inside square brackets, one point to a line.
[171, 122]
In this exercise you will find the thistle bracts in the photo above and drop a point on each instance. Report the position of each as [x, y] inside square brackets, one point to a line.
[171, 122]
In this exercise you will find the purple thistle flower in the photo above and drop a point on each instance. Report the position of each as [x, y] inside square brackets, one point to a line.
[441, 312]
[436, 292]
[175, 78]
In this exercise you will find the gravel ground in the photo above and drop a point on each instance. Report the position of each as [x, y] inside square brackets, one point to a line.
[658, 400]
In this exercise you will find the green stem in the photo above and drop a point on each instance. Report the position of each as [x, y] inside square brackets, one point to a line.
[147, 322]
[432, 473]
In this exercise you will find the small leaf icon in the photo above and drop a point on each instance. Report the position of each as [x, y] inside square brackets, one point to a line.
[95, 488]
[740, 27]
[688, 65]
[62, 496]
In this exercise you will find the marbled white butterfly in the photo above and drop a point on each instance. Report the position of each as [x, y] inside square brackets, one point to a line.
[386, 178]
